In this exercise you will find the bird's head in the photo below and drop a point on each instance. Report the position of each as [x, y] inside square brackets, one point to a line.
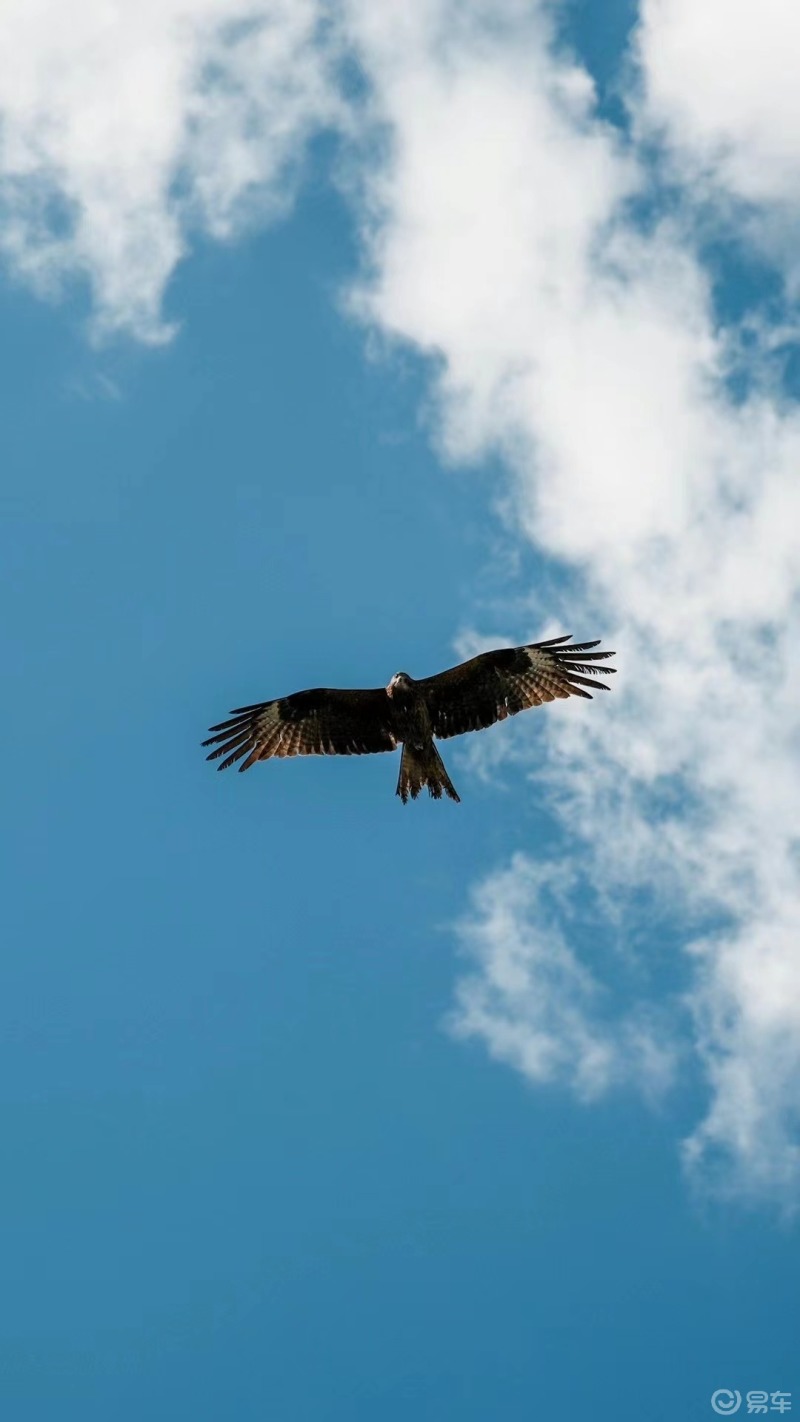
[401, 682]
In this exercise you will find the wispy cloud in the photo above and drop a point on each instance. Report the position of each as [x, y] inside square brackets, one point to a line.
[718, 93]
[719, 81]
[536, 1005]
[557, 273]
[125, 128]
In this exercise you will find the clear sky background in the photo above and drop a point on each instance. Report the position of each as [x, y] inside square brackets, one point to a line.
[333, 342]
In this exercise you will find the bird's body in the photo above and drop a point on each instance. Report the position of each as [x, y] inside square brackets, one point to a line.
[469, 697]
[420, 762]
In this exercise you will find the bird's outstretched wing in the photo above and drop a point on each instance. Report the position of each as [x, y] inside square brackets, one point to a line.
[498, 684]
[320, 722]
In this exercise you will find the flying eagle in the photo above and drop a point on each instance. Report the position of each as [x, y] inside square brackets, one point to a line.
[411, 713]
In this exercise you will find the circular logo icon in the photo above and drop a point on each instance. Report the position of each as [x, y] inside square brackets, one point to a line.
[725, 1402]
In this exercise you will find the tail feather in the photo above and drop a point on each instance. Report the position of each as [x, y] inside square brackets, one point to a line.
[420, 766]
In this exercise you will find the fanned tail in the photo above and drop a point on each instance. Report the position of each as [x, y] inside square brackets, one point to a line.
[420, 766]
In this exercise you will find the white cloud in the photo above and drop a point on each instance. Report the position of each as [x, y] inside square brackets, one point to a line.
[721, 78]
[536, 1006]
[585, 349]
[719, 93]
[123, 128]
[747, 1009]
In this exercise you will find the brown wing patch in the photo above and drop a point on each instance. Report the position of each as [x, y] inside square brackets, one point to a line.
[498, 684]
[325, 721]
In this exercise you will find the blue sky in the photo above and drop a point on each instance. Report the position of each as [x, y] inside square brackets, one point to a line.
[315, 1106]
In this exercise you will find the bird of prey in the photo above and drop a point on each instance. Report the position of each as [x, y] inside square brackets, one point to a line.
[411, 713]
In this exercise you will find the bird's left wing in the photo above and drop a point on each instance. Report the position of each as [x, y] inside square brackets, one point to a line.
[498, 684]
[324, 721]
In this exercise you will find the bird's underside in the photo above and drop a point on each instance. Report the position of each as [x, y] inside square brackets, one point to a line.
[413, 714]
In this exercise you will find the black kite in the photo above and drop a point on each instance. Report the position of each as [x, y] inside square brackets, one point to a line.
[411, 713]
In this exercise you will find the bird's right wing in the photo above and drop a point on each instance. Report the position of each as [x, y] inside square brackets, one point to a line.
[497, 684]
[320, 722]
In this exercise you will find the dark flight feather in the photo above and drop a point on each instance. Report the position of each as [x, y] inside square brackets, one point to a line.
[498, 684]
[319, 722]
